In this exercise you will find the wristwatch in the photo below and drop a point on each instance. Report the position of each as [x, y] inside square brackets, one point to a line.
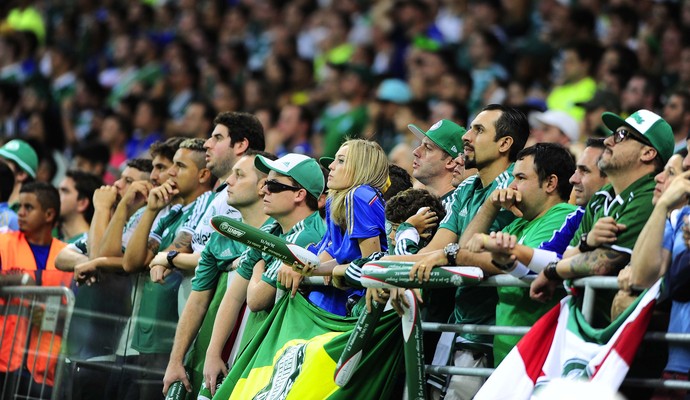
[451, 250]
[503, 267]
[171, 256]
[583, 246]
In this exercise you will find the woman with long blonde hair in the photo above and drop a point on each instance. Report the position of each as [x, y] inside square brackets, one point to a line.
[355, 215]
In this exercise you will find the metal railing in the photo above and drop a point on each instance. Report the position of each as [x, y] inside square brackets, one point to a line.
[590, 285]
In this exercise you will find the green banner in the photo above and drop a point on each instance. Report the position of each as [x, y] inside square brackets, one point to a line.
[293, 356]
[396, 274]
[287, 252]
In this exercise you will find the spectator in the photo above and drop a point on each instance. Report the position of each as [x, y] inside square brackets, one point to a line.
[576, 83]
[641, 92]
[32, 249]
[115, 132]
[76, 204]
[23, 162]
[91, 157]
[677, 114]
[542, 184]
[638, 147]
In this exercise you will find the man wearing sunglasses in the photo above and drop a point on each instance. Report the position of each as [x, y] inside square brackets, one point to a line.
[637, 149]
[291, 195]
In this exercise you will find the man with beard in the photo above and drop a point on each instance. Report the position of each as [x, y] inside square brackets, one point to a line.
[638, 148]
[491, 145]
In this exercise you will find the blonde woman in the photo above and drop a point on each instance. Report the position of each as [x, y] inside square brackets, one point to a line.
[355, 215]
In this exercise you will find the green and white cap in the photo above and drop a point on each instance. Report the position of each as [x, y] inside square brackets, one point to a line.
[650, 126]
[445, 134]
[22, 154]
[304, 170]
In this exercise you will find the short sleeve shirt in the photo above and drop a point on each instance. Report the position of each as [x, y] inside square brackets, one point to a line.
[202, 231]
[304, 234]
[476, 305]
[632, 207]
[365, 218]
[154, 330]
[216, 258]
[515, 307]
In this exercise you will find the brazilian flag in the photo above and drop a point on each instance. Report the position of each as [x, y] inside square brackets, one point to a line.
[294, 354]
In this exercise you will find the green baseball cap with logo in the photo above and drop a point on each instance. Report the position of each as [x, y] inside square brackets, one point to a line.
[445, 134]
[304, 170]
[22, 154]
[650, 126]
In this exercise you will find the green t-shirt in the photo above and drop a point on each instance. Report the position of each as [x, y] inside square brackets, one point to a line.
[515, 307]
[632, 208]
[216, 258]
[476, 305]
[154, 330]
[307, 232]
[339, 125]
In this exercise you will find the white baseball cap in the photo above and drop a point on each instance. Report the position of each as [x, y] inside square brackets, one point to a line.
[562, 121]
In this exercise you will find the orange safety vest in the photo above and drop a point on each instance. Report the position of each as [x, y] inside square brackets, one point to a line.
[15, 254]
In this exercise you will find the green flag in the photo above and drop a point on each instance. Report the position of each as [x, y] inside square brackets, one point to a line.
[294, 355]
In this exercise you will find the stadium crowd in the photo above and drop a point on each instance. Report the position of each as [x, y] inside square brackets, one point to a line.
[541, 139]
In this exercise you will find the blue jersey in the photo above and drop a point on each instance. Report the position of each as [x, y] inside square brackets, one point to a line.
[561, 238]
[366, 218]
[678, 354]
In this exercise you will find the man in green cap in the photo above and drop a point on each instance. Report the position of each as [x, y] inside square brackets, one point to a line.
[291, 195]
[23, 161]
[439, 161]
[439, 164]
[637, 149]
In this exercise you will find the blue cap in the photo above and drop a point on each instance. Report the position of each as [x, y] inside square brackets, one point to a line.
[395, 91]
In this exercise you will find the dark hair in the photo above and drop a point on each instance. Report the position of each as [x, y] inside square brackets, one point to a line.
[142, 164]
[242, 125]
[400, 181]
[552, 159]
[627, 15]
[209, 111]
[123, 123]
[167, 148]
[513, 123]
[587, 51]
[597, 143]
[85, 184]
[684, 97]
[95, 151]
[406, 203]
[47, 195]
[6, 181]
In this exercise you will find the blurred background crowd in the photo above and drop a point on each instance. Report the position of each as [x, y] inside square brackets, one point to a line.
[93, 83]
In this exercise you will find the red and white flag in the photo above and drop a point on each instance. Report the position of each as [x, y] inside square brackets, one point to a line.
[563, 345]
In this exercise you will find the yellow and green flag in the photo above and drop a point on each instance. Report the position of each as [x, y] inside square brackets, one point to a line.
[294, 355]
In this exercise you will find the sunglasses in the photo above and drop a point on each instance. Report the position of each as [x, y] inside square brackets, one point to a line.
[274, 186]
[622, 134]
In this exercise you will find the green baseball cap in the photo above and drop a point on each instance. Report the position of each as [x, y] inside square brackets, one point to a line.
[326, 161]
[445, 134]
[650, 126]
[22, 154]
[304, 170]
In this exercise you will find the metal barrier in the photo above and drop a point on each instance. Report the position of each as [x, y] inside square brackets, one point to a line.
[34, 322]
[590, 284]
